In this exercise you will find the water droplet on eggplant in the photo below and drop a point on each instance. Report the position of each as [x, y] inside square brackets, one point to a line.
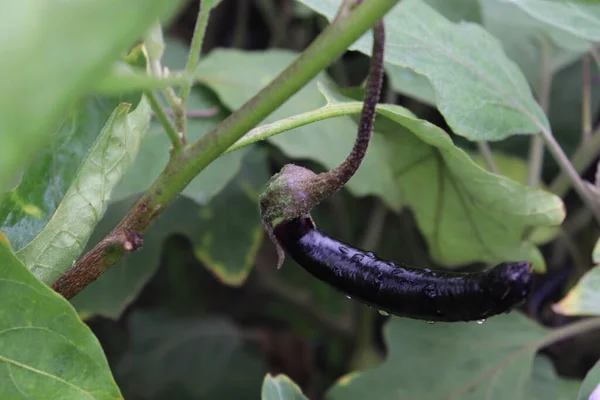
[357, 257]
[431, 322]
[343, 250]
[370, 254]
[384, 313]
[481, 321]
[430, 292]
[348, 297]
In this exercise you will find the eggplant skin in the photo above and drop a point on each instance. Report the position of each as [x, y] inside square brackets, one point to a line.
[402, 290]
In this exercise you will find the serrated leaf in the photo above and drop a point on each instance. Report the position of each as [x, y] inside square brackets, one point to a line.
[35, 95]
[63, 239]
[280, 387]
[327, 142]
[584, 297]
[582, 20]
[46, 352]
[193, 353]
[590, 384]
[154, 155]
[468, 361]
[481, 93]
[466, 213]
[227, 252]
[546, 384]
[28, 207]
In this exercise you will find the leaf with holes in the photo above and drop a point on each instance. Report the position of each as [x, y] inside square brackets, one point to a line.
[481, 93]
[280, 387]
[469, 361]
[46, 352]
[63, 239]
[326, 142]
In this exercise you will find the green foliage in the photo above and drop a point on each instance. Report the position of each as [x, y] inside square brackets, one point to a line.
[35, 95]
[46, 351]
[590, 383]
[62, 240]
[584, 297]
[280, 387]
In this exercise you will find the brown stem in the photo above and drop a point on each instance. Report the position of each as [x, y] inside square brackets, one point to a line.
[78, 277]
[335, 179]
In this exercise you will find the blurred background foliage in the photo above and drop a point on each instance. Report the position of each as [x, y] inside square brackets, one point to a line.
[201, 312]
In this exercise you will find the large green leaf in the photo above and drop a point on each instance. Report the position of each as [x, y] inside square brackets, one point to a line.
[280, 387]
[464, 360]
[195, 354]
[466, 213]
[327, 142]
[46, 352]
[582, 20]
[590, 383]
[584, 297]
[28, 207]
[481, 93]
[154, 155]
[63, 239]
[537, 47]
[545, 383]
[225, 234]
[52, 53]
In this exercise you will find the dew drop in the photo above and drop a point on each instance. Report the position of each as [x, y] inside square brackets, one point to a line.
[384, 313]
[370, 254]
[348, 297]
[481, 321]
[431, 322]
[427, 270]
[430, 292]
[391, 263]
[343, 250]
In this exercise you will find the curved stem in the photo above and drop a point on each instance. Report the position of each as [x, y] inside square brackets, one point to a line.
[335, 179]
[195, 47]
[488, 156]
[164, 120]
[183, 167]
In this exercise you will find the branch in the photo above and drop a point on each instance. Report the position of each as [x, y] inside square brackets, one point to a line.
[160, 113]
[183, 167]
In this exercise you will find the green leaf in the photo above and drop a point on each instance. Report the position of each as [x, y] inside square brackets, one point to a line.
[72, 47]
[466, 361]
[584, 297]
[46, 352]
[590, 383]
[154, 155]
[192, 353]
[537, 47]
[546, 384]
[481, 93]
[466, 213]
[582, 20]
[226, 251]
[63, 239]
[280, 387]
[229, 231]
[457, 10]
[28, 207]
[327, 142]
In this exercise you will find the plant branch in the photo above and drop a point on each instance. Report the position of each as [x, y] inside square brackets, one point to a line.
[195, 48]
[488, 156]
[586, 117]
[536, 149]
[183, 167]
[164, 120]
[582, 158]
[196, 114]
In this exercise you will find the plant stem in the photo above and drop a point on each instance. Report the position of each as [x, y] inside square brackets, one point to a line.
[195, 48]
[183, 167]
[536, 149]
[160, 113]
[568, 331]
[488, 156]
[586, 117]
[582, 158]
[196, 114]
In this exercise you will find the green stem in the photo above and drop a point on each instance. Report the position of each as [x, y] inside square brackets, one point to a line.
[183, 167]
[536, 150]
[160, 113]
[568, 331]
[488, 156]
[195, 48]
[582, 158]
